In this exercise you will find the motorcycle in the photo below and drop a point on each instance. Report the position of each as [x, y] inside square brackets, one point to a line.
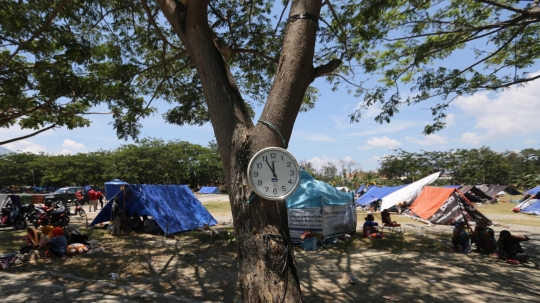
[57, 214]
[78, 207]
[12, 217]
[28, 212]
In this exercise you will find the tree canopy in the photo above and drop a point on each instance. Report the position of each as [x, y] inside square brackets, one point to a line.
[62, 59]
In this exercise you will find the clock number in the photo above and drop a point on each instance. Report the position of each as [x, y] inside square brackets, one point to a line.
[267, 188]
[273, 155]
[290, 181]
[292, 172]
[289, 164]
[275, 190]
[255, 174]
[283, 188]
[259, 165]
[265, 158]
[259, 182]
[281, 157]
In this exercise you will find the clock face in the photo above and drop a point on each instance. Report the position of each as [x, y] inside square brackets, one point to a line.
[273, 173]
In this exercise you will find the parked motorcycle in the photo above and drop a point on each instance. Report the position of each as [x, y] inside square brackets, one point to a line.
[10, 216]
[57, 214]
[78, 207]
[28, 212]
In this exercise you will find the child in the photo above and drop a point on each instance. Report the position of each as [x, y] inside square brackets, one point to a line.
[461, 237]
[370, 229]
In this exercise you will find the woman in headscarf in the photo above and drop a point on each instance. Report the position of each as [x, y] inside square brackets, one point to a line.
[57, 243]
[509, 248]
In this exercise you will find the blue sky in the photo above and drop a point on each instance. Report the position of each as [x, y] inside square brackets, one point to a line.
[503, 121]
[509, 120]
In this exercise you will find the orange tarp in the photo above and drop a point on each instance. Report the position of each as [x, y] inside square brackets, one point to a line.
[430, 200]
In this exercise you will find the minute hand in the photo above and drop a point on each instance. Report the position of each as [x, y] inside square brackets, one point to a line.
[271, 168]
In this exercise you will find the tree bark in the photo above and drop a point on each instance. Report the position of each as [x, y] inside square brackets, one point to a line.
[267, 270]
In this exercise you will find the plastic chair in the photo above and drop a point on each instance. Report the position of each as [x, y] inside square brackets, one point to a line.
[391, 227]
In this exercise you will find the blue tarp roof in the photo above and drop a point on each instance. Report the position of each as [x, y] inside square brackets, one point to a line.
[174, 207]
[532, 208]
[452, 186]
[532, 191]
[315, 193]
[209, 190]
[360, 188]
[375, 193]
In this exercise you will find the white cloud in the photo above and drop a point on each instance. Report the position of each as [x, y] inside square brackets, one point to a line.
[72, 147]
[380, 142]
[428, 140]
[530, 141]
[318, 163]
[512, 111]
[25, 146]
[450, 120]
[471, 138]
[72, 144]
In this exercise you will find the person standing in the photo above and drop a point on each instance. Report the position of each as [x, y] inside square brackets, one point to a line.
[100, 198]
[93, 197]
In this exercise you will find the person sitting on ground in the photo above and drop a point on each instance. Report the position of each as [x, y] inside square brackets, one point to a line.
[57, 244]
[483, 237]
[461, 237]
[385, 216]
[509, 247]
[370, 228]
[149, 226]
[31, 239]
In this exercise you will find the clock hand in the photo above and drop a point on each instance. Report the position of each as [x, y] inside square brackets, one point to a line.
[271, 168]
[274, 169]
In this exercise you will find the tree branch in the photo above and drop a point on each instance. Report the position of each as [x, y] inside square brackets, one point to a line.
[326, 68]
[28, 136]
[39, 31]
[507, 7]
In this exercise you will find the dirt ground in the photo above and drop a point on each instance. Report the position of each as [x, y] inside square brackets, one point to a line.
[196, 267]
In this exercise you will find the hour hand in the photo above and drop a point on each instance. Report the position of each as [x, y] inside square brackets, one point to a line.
[271, 168]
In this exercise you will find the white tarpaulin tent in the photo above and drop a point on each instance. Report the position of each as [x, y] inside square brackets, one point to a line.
[408, 193]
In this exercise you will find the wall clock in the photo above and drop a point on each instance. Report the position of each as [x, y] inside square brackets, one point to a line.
[273, 173]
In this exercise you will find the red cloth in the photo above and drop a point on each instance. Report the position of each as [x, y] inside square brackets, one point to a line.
[92, 195]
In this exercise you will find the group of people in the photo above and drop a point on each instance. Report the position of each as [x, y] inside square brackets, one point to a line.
[49, 241]
[507, 247]
[131, 223]
[94, 196]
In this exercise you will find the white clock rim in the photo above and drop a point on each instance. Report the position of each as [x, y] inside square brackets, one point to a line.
[261, 194]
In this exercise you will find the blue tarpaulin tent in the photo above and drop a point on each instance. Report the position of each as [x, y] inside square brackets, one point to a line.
[375, 193]
[209, 190]
[533, 209]
[174, 207]
[452, 186]
[532, 191]
[360, 189]
[319, 207]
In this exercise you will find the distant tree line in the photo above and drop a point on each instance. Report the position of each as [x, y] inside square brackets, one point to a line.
[457, 167]
[466, 166]
[150, 161]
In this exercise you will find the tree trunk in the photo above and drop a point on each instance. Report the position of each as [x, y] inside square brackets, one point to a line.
[267, 270]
